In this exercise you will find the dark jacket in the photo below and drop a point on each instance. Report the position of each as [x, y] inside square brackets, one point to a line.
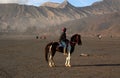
[63, 37]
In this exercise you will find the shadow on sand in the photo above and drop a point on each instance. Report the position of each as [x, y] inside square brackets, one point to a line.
[96, 65]
[92, 65]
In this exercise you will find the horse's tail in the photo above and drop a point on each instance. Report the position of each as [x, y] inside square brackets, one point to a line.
[47, 50]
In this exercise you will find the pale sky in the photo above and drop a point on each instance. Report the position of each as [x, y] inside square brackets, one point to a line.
[78, 3]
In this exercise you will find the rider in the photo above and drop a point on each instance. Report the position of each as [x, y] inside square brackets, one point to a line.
[63, 40]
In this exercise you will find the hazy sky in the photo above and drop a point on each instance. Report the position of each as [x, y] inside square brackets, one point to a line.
[78, 3]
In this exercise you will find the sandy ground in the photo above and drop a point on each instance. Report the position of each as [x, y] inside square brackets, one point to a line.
[24, 58]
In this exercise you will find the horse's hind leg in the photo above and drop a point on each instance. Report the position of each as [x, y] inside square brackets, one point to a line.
[51, 55]
[51, 61]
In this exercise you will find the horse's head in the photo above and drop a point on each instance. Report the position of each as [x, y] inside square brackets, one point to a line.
[76, 39]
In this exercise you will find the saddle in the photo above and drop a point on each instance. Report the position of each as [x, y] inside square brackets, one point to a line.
[61, 47]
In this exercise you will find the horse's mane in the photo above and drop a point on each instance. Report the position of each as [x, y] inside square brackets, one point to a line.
[73, 37]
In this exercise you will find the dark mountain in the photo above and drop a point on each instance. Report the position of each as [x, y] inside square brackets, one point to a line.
[25, 19]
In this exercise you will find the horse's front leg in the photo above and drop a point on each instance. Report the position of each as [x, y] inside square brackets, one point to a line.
[67, 63]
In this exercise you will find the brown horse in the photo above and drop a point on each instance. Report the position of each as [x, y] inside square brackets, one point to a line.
[52, 47]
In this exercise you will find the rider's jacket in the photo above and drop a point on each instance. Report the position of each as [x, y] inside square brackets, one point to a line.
[63, 37]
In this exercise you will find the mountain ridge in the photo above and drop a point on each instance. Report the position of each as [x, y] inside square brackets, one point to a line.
[29, 19]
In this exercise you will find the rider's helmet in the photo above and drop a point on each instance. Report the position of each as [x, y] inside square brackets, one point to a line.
[64, 29]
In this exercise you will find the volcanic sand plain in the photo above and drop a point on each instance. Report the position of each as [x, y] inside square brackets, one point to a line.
[24, 58]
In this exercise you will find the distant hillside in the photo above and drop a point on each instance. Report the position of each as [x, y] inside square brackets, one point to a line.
[106, 25]
[103, 7]
[16, 19]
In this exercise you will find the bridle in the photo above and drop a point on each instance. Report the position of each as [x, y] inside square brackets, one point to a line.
[76, 40]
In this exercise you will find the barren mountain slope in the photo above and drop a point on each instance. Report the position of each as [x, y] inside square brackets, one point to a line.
[16, 19]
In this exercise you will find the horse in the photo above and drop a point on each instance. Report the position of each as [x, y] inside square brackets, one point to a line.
[53, 47]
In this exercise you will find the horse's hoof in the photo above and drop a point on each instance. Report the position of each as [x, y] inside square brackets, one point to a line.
[68, 65]
[52, 65]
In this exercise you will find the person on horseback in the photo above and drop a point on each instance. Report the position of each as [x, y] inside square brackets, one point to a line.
[63, 40]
